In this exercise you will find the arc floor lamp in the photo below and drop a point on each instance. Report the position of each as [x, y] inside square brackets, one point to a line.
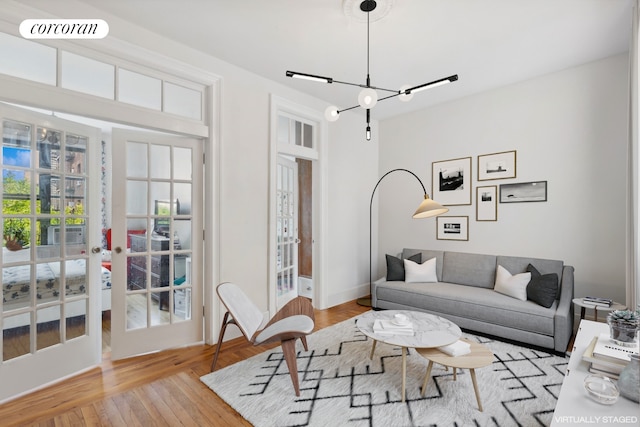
[428, 208]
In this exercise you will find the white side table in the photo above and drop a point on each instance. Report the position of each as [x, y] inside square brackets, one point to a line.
[583, 306]
[574, 407]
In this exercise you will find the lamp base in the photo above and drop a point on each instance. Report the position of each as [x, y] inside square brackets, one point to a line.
[365, 302]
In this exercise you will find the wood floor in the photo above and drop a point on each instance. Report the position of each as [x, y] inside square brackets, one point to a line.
[160, 389]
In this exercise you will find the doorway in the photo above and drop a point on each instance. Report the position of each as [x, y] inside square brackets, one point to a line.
[297, 208]
[305, 227]
[76, 235]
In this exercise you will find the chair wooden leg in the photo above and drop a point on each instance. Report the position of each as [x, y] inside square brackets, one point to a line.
[304, 342]
[222, 330]
[289, 350]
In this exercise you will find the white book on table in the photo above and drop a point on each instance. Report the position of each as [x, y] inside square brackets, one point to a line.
[387, 327]
[605, 348]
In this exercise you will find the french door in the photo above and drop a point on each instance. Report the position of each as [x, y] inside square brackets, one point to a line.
[286, 230]
[157, 238]
[51, 282]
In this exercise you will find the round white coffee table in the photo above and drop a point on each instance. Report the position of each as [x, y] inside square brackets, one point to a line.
[429, 331]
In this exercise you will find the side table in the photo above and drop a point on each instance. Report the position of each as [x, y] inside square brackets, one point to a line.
[479, 357]
[580, 303]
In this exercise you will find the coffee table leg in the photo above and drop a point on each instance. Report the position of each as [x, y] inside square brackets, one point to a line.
[373, 348]
[404, 370]
[475, 387]
[426, 378]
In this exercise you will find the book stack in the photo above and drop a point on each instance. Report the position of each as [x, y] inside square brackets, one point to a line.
[391, 327]
[458, 348]
[606, 358]
[597, 302]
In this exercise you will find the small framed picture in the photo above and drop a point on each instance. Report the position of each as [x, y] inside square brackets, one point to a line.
[487, 203]
[451, 182]
[452, 227]
[497, 166]
[524, 192]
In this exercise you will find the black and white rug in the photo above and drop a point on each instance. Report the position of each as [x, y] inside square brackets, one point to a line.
[341, 386]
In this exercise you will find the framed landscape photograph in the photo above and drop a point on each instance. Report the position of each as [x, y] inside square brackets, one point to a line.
[487, 203]
[451, 182]
[497, 166]
[524, 192]
[452, 227]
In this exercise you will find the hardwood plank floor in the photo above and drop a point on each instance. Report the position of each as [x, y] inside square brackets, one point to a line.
[160, 389]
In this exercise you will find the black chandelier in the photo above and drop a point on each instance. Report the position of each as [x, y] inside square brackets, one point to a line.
[368, 97]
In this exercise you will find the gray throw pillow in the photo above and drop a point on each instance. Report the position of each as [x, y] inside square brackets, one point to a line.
[395, 267]
[543, 288]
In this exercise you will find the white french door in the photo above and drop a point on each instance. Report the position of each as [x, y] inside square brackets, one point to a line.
[50, 310]
[157, 238]
[286, 230]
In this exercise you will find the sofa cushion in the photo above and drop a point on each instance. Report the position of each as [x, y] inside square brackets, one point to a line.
[395, 266]
[514, 285]
[469, 269]
[475, 303]
[425, 272]
[427, 254]
[543, 288]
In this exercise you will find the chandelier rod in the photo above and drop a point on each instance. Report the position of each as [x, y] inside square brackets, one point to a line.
[363, 86]
[368, 80]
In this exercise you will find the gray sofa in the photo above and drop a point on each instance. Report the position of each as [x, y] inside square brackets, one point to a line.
[464, 294]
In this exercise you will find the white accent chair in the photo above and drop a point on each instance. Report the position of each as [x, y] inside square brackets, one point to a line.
[294, 320]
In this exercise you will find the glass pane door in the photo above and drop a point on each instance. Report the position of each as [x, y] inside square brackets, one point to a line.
[156, 239]
[286, 230]
[49, 287]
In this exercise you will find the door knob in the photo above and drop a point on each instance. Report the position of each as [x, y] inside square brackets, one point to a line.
[118, 249]
[96, 250]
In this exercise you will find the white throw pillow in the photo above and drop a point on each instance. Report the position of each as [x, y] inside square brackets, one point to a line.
[420, 273]
[514, 286]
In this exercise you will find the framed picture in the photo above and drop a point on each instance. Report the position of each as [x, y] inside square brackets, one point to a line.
[452, 227]
[487, 203]
[497, 166]
[524, 192]
[451, 182]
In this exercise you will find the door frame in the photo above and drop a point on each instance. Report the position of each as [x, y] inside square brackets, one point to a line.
[320, 198]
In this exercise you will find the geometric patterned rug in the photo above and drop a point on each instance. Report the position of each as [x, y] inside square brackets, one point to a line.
[341, 386]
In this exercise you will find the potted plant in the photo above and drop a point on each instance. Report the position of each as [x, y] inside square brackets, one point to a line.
[624, 326]
[15, 234]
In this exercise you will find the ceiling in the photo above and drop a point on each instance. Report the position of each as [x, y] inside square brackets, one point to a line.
[488, 43]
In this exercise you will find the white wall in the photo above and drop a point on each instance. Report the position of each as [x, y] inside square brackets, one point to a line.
[569, 128]
[243, 178]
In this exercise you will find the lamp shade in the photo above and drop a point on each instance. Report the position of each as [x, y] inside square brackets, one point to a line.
[331, 113]
[429, 208]
[405, 97]
[368, 98]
